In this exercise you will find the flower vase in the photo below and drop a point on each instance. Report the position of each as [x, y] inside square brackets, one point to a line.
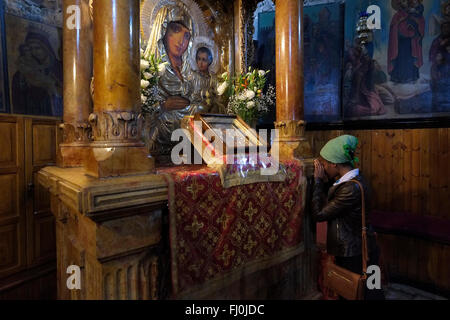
[252, 123]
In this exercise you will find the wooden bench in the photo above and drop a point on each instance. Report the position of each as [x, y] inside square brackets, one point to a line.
[415, 249]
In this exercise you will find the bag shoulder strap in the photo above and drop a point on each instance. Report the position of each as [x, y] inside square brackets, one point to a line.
[365, 255]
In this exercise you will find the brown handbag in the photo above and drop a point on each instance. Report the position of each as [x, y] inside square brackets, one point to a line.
[343, 282]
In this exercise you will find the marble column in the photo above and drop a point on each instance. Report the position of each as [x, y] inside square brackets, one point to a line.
[289, 80]
[116, 121]
[77, 62]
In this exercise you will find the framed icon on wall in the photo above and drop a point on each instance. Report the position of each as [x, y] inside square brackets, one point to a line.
[34, 67]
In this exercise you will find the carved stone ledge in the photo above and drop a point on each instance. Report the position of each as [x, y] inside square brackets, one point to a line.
[91, 196]
[124, 127]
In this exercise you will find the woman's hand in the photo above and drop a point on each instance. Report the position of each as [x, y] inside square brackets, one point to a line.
[176, 103]
[319, 171]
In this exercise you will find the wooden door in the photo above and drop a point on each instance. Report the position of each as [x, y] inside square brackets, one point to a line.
[40, 151]
[12, 209]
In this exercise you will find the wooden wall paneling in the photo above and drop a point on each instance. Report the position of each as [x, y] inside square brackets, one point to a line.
[41, 285]
[317, 142]
[378, 169]
[433, 261]
[424, 171]
[320, 142]
[443, 266]
[401, 254]
[395, 254]
[397, 162]
[41, 145]
[388, 171]
[365, 157]
[423, 261]
[447, 186]
[415, 172]
[445, 269]
[12, 214]
[310, 136]
[444, 174]
[412, 258]
[384, 169]
[388, 253]
[433, 156]
[407, 170]
[384, 255]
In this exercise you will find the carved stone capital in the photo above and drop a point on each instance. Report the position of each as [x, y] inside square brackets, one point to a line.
[76, 133]
[290, 140]
[117, 127]
[118, 149]
[291, 130]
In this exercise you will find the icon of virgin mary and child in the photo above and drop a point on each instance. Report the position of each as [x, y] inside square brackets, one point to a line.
[187, 85]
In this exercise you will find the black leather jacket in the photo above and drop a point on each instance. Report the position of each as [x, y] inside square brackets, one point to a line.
[342, 209]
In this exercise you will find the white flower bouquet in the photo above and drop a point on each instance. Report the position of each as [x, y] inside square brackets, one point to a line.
[246, 96]
[151, 69]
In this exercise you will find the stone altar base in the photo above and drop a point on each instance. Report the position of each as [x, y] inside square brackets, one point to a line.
[116, 231]
[111, 229]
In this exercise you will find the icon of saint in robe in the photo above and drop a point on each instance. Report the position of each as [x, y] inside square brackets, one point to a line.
[173, 46]
[204, 80]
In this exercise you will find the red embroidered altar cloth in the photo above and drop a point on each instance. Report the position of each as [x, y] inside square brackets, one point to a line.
[219, 235]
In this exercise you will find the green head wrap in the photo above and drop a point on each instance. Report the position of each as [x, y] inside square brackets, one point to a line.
[341, 150]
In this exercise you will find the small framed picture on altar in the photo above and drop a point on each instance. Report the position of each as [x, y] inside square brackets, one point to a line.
[221, 134]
